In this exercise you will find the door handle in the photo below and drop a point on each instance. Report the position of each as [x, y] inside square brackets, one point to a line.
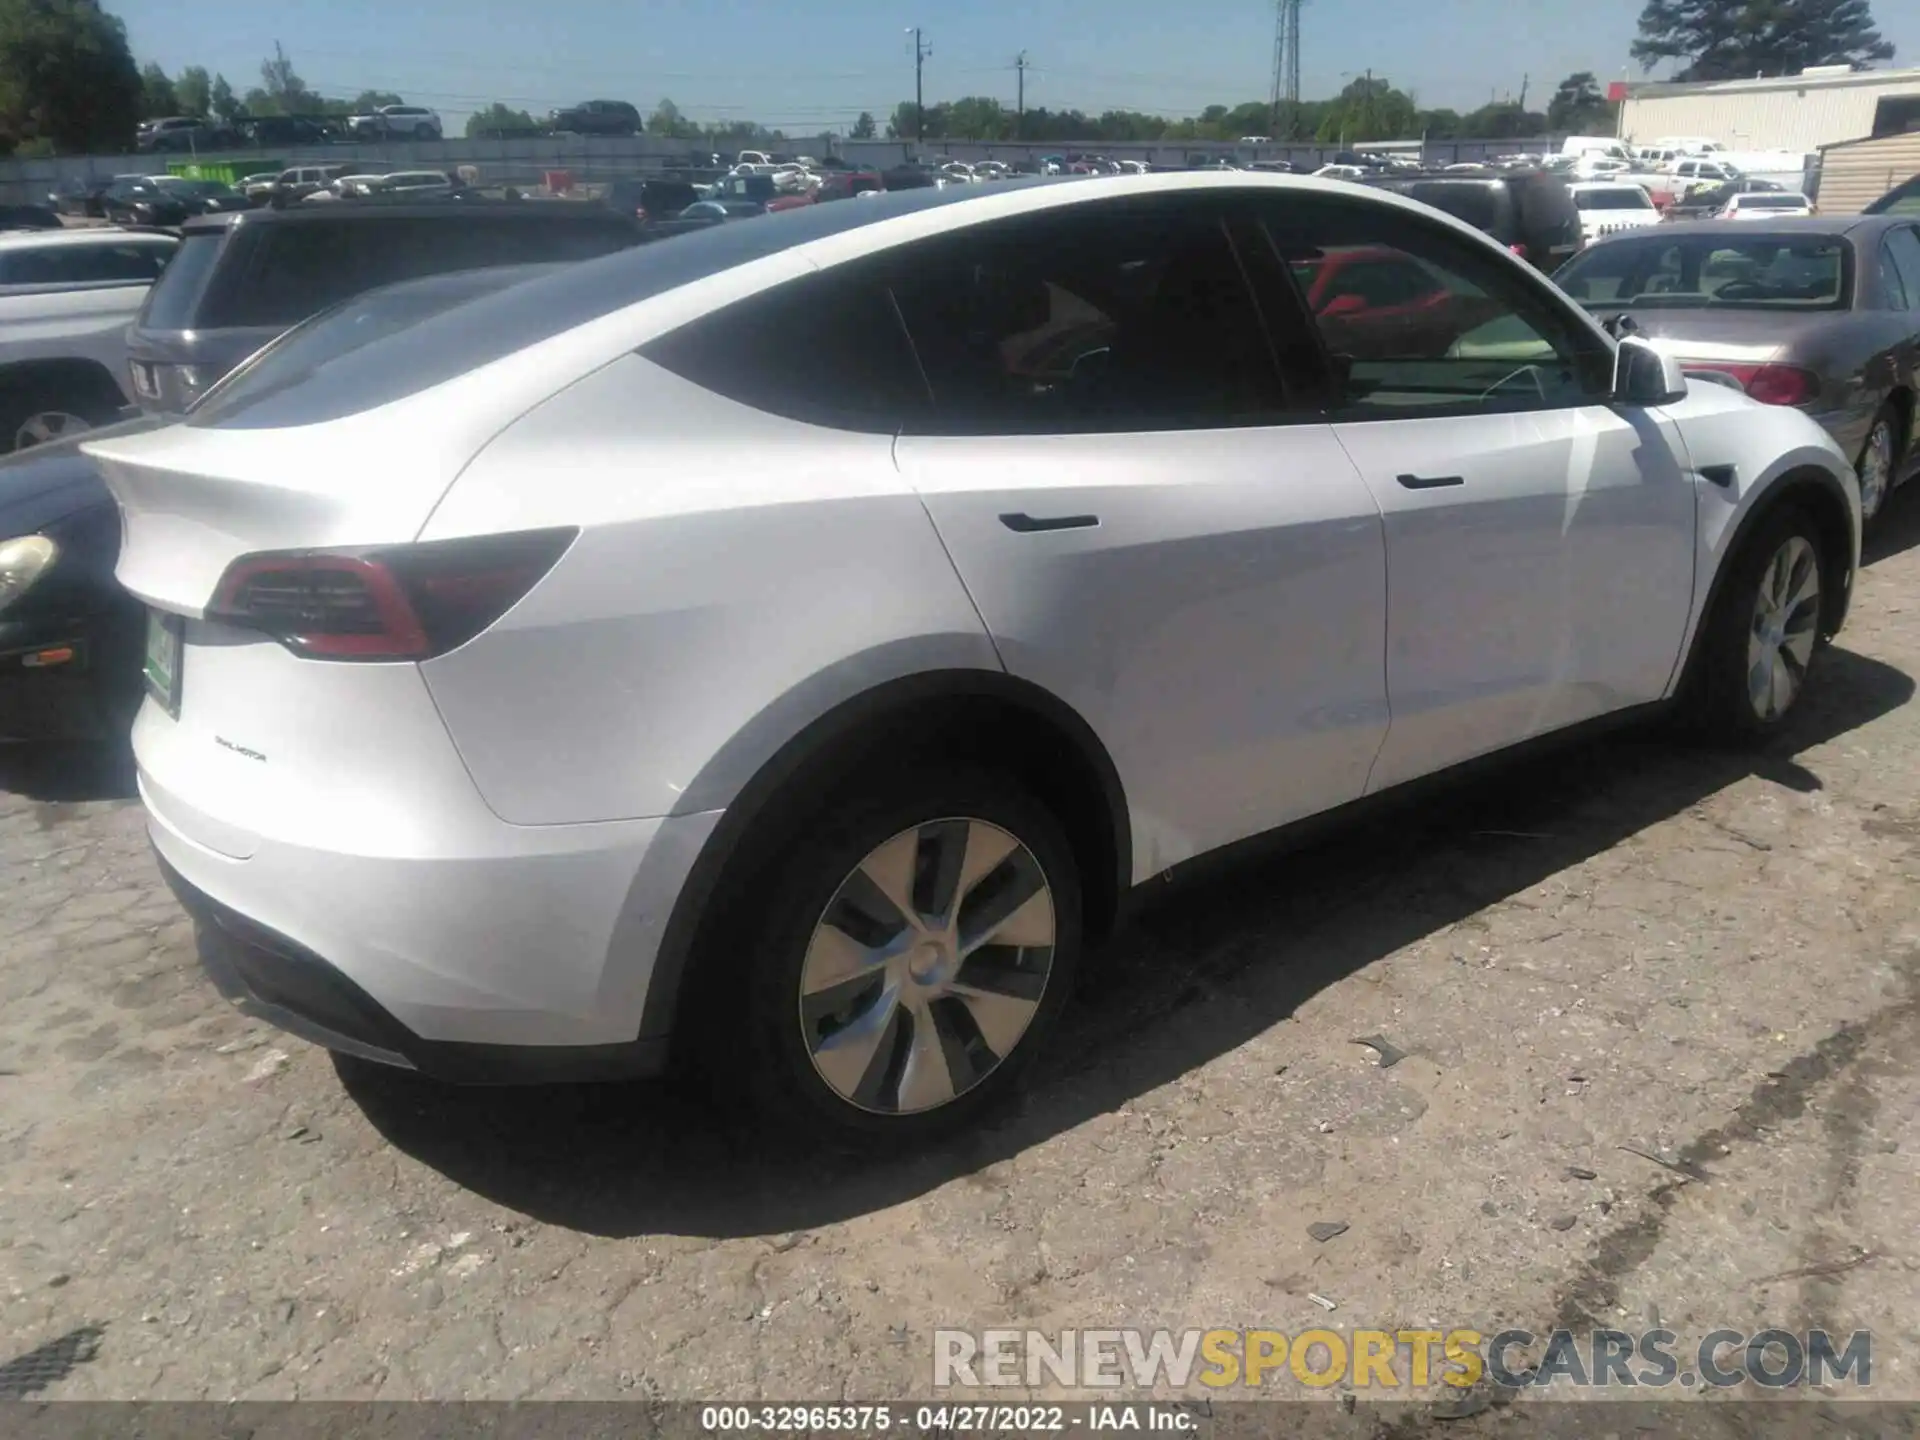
[1022, 524]
[1430, 482]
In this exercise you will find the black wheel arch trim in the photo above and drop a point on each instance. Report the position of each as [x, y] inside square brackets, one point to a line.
[1781, 491]
[836, 728]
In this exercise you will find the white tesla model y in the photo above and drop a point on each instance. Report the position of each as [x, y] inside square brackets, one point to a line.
[817, 625]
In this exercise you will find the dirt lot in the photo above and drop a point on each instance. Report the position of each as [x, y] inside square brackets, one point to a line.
[1713, 961]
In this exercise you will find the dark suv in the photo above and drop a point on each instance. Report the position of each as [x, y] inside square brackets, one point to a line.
[649, 201]
[237, 281]
[1531, 212]
[596, 117]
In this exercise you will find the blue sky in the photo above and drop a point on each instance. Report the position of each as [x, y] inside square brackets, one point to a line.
[806, 67]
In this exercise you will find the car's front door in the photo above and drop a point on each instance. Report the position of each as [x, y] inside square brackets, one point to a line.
[1540, 540]
[1153, 528]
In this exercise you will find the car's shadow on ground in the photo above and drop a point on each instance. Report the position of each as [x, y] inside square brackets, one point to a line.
[69, 774]
[1899, 527]
[633, 1159]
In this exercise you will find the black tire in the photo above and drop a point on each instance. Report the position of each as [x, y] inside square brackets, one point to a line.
[1717, 702]
[771, 1068]
[85, 398]
[1885, 424]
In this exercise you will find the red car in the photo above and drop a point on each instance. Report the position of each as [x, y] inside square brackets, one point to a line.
[1373, 303]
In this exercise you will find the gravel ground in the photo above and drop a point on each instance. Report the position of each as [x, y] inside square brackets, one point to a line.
[1660, 1014]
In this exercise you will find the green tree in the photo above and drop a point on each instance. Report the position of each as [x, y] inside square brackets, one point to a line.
[67, 79]
[194, 91]
[668, 121]
[1736, 39]
[221, 99]
[1502, 120]
[1578, 106]
[283, 92]
[1440, 124]
[864, 128]
[157, 100]
[977, 117]
[497, 119]
[1369, 109]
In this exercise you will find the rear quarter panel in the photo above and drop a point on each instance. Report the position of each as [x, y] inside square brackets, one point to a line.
[737, 576]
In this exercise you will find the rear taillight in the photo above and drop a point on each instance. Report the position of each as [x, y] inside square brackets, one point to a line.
[640, 213]
[398, 602]
[1769, 384]
[1519, 250]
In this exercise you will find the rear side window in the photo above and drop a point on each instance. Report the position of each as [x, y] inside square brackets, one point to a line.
[827, 350]
[175, 298]
[133, 262]
[297, 270]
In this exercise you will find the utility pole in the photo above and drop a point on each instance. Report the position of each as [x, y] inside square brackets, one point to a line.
[1020, 102]
[921, 50]
[1525, 80]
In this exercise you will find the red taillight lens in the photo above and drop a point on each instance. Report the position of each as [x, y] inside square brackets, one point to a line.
[640, 213]
[400, 602]
[1769, 384]
[1519, 250]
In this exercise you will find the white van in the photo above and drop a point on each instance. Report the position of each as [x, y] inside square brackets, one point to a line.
[1687, 144]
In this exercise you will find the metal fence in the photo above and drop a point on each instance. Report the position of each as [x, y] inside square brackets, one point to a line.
[596, 159]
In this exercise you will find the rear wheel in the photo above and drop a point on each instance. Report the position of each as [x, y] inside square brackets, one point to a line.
[1875, 466]
[907, 961]
[41, 413]
[1763, 636]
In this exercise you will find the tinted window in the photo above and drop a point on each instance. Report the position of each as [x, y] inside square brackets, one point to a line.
[295, 270]
[828, 350]
[1455, 327]
[1479, 205]
[132, 262]
[1624, 198]
[175, 296]
[1685, 271]
[1117, 317]
[1901, 200]
[1903, 247]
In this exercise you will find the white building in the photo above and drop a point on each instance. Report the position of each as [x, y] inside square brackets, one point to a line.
[1799, 112]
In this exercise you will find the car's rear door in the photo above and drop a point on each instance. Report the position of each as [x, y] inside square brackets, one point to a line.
[1539, 541]
[1154, 528]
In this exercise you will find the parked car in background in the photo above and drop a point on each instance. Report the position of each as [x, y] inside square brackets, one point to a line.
[70, 637]
[1607, 208]
[396, 122]
[168, 200]
[274, 131]
[1819, 314]
[1902, 199]
[1705, 201]
[29, 217]
[831, 620]
[183, 133]
[258, 189]
[65, 299]
[240, 280]
[409, 184]
[1531, 212]
[596, 117]
[297, 182]
[84, 197]
[1761, 205]
[648, 200]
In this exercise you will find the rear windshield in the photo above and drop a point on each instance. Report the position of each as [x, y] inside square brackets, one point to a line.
[1627, 197]
[444, 345]
[176, 294]
[295, 270]
[1712, 271]
[1479, 205]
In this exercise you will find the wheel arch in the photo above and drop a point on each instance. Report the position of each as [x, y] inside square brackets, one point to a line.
[953, 714]
[1823, 496]
[70, 369]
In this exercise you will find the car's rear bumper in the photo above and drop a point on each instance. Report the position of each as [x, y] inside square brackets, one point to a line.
[272, 978]
[469, 949]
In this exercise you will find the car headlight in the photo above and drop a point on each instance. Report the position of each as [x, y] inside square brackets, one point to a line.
[23, 561]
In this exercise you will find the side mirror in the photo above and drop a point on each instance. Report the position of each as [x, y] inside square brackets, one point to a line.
[1643, 376]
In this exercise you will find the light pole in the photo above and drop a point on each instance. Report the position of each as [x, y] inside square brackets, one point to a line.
[921, 50]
